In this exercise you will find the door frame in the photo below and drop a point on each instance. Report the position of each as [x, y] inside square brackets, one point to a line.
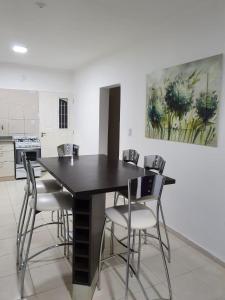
[104, 117]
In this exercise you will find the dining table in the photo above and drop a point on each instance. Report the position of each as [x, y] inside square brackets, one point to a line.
[88, 178]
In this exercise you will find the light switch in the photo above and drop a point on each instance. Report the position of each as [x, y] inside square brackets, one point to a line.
[130, 132]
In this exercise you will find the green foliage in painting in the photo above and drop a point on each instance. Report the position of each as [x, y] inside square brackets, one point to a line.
[182, 103]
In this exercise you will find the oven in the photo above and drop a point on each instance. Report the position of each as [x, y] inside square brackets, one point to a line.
[32, 147]
[31, 154]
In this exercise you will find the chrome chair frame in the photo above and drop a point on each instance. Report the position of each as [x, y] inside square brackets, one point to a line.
[68, 150]
[65, 150]
[23, 211]
[157, 163]
[129, 156]
[29, 232]
[138, 189]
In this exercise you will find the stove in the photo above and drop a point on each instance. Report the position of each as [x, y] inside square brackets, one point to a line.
[27, 142]
[32, 146]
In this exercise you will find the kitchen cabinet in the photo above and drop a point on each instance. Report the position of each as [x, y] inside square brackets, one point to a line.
[19, 112]
[4, 127]
[7, 167]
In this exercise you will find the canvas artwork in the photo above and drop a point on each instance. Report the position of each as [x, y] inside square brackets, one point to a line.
[183, 101]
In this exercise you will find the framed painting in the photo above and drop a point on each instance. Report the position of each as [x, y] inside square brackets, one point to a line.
[183, 101]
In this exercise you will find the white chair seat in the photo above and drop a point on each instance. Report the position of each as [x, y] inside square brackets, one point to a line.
[52, 201]
[142, 217]
[46, 186]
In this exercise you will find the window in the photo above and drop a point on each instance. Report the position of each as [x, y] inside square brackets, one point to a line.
[63, 113]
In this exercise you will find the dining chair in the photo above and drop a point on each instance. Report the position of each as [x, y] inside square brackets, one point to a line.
[68, 150]
[157, 163]
[134, 216]
[42, 186]
[152, 163]
[57, 201]
[65, 150]
[129, 156]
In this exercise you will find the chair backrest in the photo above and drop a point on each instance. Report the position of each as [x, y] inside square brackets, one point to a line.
[68, 150]
[138, 189]
[30, 171]
[131, 156]
[146, 186]
[154, 162]
[24, 160]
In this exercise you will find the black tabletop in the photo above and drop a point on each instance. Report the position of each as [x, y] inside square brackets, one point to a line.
[92, 173]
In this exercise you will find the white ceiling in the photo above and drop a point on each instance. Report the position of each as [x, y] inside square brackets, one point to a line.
[68, 33]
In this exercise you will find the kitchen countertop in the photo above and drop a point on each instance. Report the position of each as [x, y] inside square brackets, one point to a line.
[7, 139]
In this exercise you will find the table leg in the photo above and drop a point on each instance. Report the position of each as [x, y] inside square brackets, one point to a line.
[88, 221]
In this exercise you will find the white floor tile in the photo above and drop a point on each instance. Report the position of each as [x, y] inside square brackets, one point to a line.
[9, 287]
[50, 276]
[58, 293]
[193, 276]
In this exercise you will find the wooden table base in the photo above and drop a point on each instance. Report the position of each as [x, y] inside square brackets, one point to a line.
[88, 221]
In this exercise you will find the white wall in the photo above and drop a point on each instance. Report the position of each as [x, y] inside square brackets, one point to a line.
[14, 76]
[195, 206]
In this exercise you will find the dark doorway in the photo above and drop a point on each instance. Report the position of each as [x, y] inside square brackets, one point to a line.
[114, 123]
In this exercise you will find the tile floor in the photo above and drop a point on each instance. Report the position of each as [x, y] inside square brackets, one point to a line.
[193, 276]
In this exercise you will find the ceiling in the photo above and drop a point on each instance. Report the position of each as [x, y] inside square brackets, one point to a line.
[66, 34]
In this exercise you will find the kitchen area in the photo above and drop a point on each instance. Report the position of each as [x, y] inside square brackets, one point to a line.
[25, 127]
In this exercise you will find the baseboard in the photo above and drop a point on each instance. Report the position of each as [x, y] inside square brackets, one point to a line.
[197, 247]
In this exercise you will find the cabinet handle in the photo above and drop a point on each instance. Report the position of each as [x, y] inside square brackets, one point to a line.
[2, 127]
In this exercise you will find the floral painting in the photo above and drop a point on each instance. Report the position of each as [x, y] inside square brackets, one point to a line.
[183, 101]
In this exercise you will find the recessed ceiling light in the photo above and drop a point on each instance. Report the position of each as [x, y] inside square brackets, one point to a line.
[19, 49]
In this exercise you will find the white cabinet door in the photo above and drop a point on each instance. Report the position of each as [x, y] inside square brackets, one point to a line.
[51, 135]
[4, 127]
[19, 112]
[6, 160]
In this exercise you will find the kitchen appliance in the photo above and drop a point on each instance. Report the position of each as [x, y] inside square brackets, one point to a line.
[31, 145]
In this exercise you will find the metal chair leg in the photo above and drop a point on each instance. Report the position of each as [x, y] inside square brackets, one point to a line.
[163, 254]
[64, 232]
[133, 245]
[139, 253]
[61, 225]
[21, 225]
[23, 239]
[112, 239]
[67, 233]
[58, 224]
[166, 232]
[116, 196]
[128, 263]
[24, 263]
[100, 256]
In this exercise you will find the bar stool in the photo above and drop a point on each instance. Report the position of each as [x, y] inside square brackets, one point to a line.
[138, 217]
[157, 163]
[42, 186]
[68, 150]
[129, 156]
[57, 201]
